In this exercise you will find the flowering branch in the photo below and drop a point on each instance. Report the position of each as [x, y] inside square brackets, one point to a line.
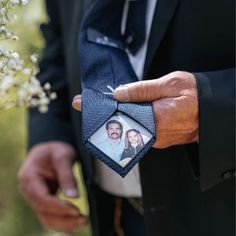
[18, 83]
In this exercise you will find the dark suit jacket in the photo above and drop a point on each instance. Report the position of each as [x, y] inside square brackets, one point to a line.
[187, 189]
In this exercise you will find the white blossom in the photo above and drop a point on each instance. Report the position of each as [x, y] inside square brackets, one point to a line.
[8, 34]
[14, 76]
[14, 2]
[3, 29]
[34, 90]
[24, 2]
[34, 102]
[2, 50]
[53, 96]
[14, 17]
[15, 56]
[34, 81]
[47, 86]
[44, 101]
[26, 71]
[22, 93]
[2, 64]
[15, 38]
[43, 109]
[11, 64]
[3, 11]
[34, 58]
[3, 20]
[6, 83]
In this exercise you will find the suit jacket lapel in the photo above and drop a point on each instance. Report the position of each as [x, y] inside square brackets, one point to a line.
[163, 14]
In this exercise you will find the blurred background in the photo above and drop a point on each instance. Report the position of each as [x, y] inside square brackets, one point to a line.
[16, 218]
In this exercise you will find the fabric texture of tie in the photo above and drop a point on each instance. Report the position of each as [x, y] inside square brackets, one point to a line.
[104, 61]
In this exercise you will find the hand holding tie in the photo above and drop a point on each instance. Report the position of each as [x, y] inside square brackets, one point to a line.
[175, 106]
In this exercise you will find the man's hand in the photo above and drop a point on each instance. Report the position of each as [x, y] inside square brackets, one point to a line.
[49, 167]
[175, 106]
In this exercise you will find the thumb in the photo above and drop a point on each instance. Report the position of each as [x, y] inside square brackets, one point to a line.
[66, 178]
[76, 104]
[142, 91]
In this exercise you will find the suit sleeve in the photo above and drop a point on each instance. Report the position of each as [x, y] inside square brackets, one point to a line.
[56, 123]
[216, 95]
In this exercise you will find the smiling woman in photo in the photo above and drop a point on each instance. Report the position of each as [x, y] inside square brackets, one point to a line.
[133, 144]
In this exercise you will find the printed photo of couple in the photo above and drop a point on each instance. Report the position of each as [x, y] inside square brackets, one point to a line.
[121, 138]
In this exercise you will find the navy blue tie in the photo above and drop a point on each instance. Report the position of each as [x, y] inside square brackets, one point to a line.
[103, 62]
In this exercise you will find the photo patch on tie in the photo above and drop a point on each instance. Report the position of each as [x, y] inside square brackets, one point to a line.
[121, 139]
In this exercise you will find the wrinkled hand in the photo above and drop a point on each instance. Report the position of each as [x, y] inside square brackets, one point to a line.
[49, 167]
[175, 106]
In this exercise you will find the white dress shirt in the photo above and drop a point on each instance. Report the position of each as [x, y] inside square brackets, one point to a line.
[106, 178]
[111, 149]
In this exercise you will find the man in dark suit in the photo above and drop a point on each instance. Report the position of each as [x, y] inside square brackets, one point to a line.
[187, 186]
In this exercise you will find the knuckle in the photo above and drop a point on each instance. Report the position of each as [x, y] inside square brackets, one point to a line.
[143, 90]
[67, 179]
[178, 73]
[58, 157]
[22, 175]
[65, 155]
[140, 91]
[159, 113]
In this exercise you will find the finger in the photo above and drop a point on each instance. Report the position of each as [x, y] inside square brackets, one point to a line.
[63, 223]
[37, 194]
[76, 104]
[66, 177]
[164, 142]
[77, 97]
[142, 91]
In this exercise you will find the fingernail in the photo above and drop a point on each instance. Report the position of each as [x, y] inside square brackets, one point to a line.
[73, 193]
[76, 100]
[77, 97]
[76, 103]
[121, 93]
